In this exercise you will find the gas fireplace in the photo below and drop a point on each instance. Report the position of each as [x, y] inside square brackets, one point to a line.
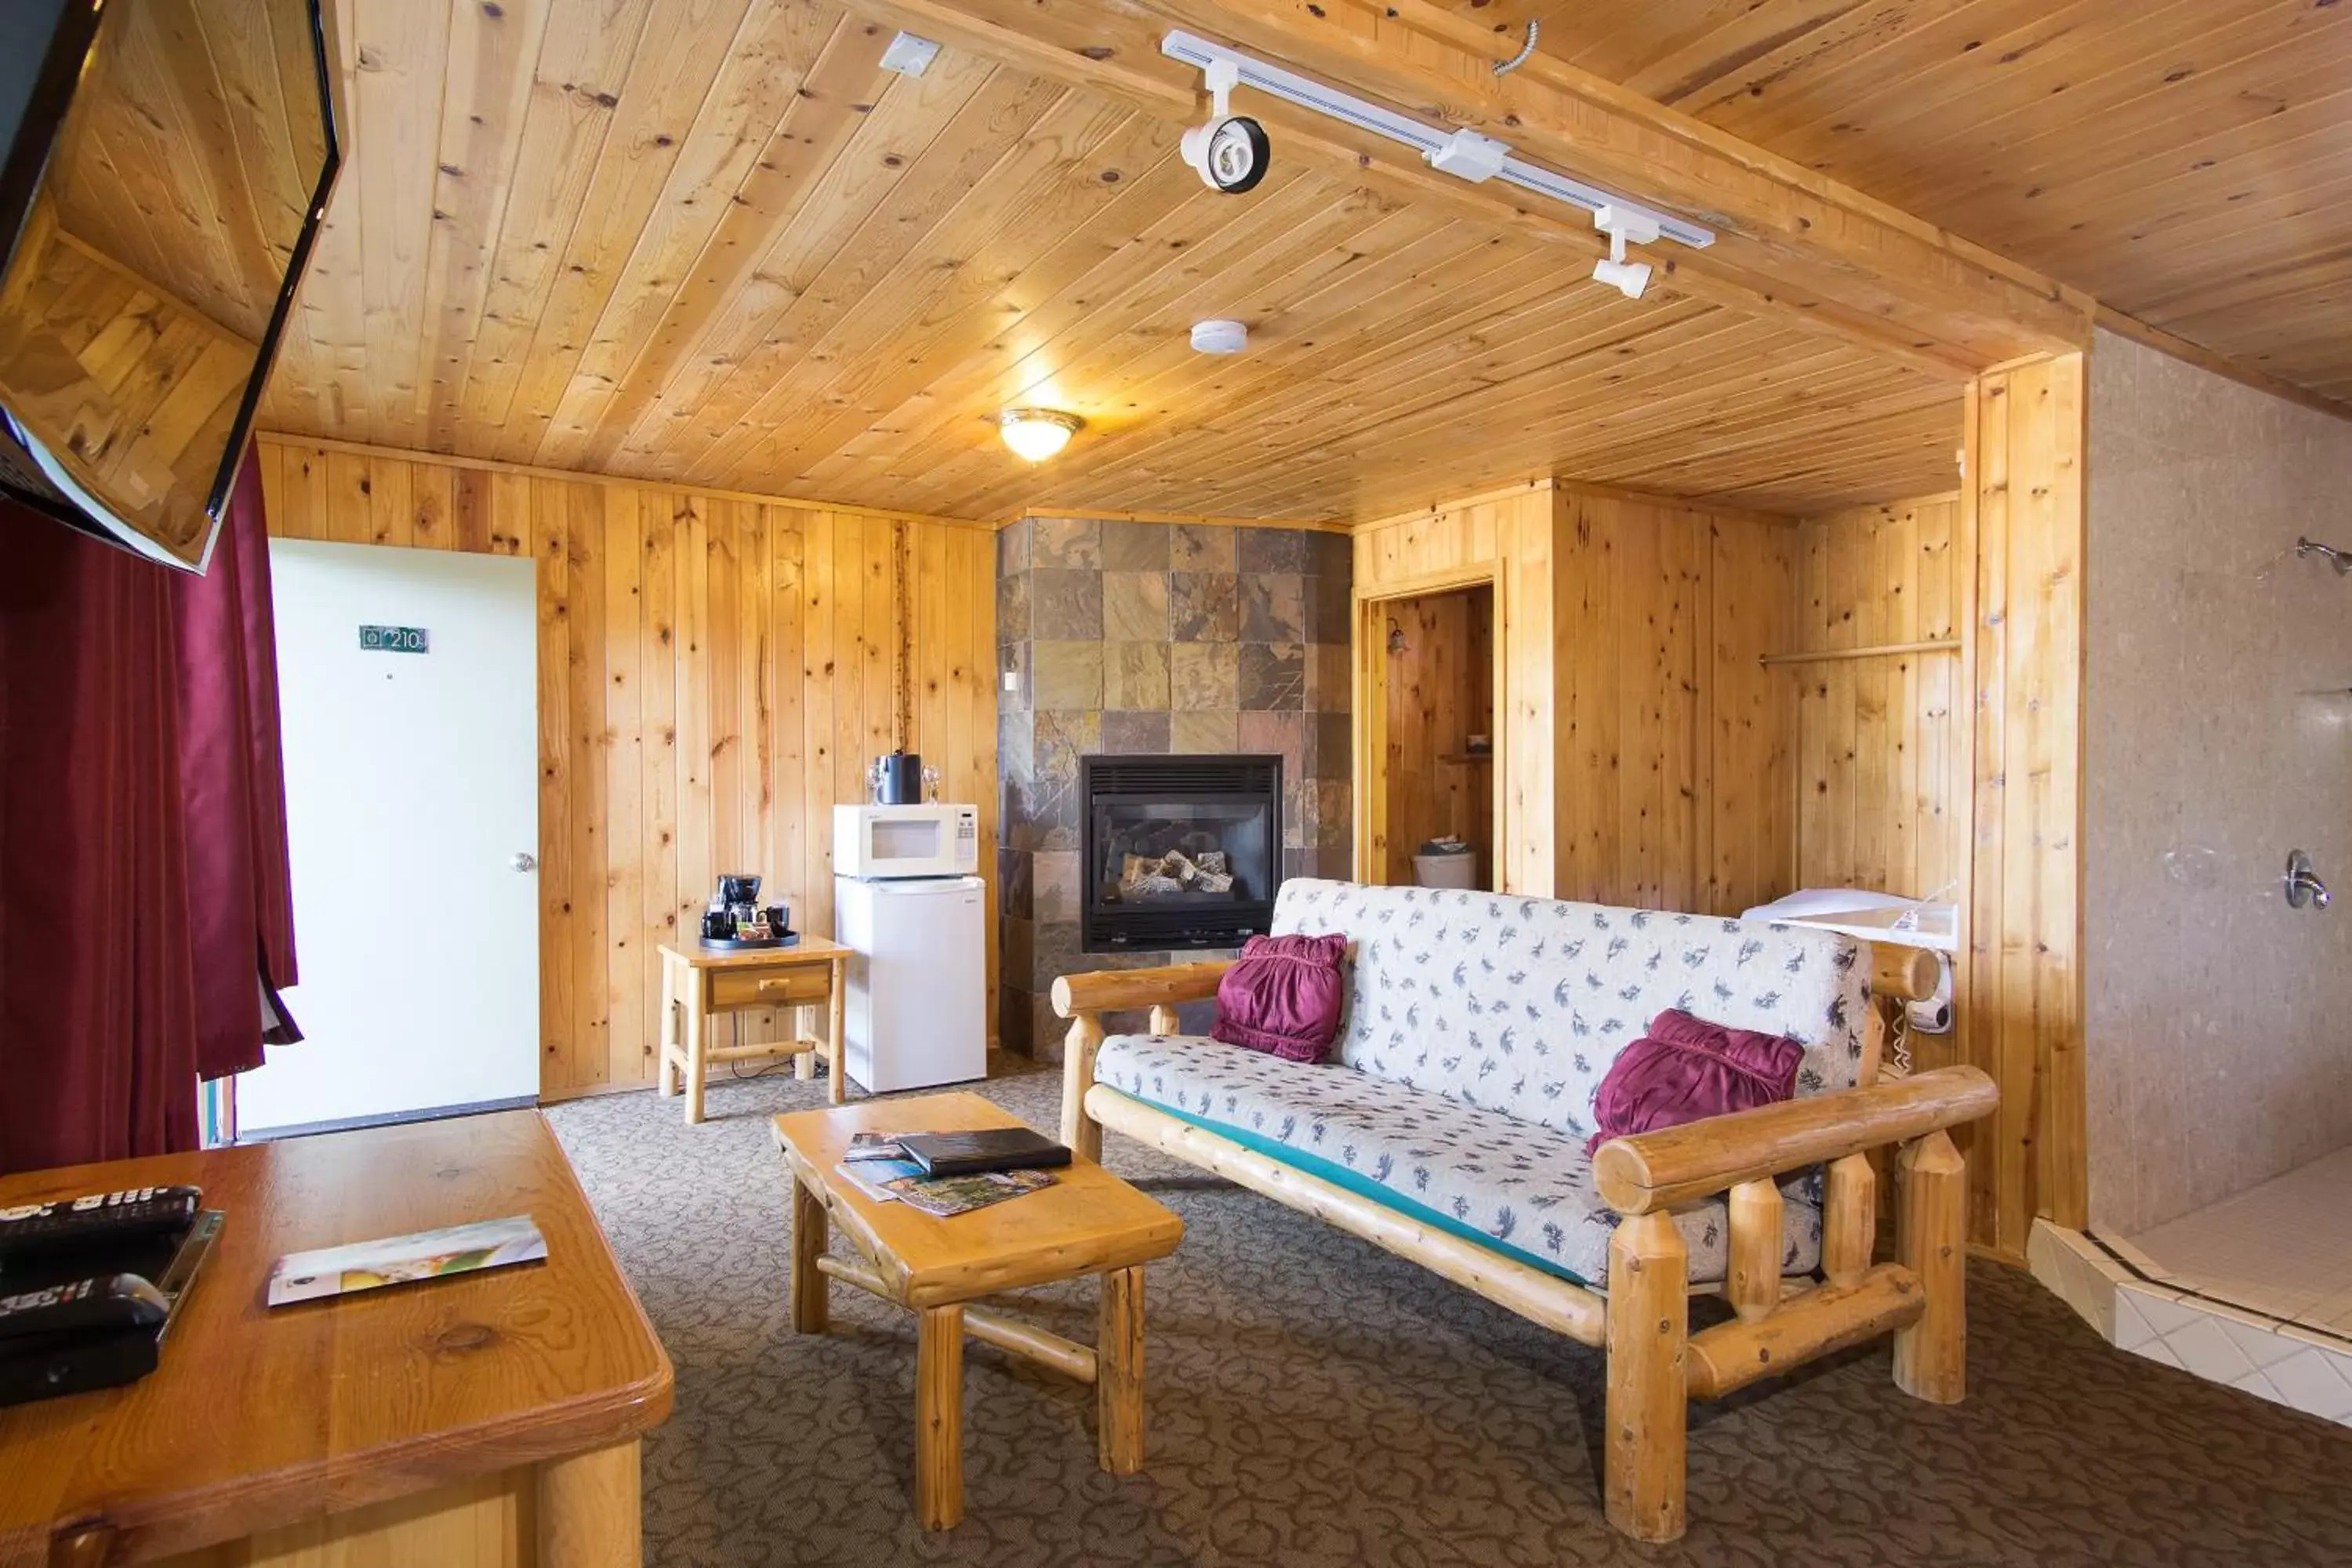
[1180, 853]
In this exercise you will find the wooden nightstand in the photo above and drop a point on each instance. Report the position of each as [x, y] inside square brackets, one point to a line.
[697, 984]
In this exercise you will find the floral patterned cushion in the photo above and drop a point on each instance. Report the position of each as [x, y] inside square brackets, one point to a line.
[1520, 1004]
[1513, 1184]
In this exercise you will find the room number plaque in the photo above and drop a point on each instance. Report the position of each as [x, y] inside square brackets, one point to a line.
[395, 640]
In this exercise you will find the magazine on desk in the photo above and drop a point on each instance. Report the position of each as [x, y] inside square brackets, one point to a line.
[404, 1259]
[876, 1166]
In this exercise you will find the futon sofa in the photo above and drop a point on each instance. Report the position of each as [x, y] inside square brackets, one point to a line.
[1452, 1129]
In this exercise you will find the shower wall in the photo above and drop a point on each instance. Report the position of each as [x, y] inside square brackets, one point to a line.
[2217, 736]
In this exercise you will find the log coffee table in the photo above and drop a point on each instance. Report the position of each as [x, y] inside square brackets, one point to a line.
[1088, 1222]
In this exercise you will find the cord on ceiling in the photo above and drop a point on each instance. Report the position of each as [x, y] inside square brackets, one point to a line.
[1515, 61]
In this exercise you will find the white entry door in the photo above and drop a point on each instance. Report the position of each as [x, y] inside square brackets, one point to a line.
[408, 684]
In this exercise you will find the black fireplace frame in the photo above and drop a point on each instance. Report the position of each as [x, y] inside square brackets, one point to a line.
[1236, 778]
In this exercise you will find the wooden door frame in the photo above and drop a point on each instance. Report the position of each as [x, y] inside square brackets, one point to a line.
[1370, 697]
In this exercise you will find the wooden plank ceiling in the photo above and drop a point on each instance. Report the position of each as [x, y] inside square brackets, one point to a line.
[2186, 161]
[710, 241]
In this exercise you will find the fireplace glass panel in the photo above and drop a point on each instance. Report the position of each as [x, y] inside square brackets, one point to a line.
[1173, 851]
[1180, 852]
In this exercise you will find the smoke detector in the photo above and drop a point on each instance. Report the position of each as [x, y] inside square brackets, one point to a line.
[1220, 337]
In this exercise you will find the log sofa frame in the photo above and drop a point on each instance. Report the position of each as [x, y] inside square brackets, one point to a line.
[1641, 1320]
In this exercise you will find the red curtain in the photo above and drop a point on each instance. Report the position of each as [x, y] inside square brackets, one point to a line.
[144, 898]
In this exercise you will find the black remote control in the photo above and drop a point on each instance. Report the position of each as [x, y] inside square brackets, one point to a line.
[97, 1216]
[104, 1301]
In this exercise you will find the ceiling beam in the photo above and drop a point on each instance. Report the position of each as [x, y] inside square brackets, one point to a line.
[1792, 243]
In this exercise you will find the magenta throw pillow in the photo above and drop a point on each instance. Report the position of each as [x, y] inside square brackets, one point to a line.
[1685, 1070]
[1283, 996]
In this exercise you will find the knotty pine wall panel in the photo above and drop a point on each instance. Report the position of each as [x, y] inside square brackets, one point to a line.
[715, 671]
[1646, 754]
[2021, 1001]
[1883, 773]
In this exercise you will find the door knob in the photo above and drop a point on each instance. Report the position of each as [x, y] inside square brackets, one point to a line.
[525, 861]
[2303, 884]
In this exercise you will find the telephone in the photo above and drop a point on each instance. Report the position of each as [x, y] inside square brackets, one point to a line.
[88, 1286]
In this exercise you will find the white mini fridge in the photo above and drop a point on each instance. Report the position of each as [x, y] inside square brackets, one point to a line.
[917, 1013]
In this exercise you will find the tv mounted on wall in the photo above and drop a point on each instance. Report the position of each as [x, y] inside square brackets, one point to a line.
[167, 167]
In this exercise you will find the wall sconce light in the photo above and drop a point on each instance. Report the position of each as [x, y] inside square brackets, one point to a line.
[1037, 434]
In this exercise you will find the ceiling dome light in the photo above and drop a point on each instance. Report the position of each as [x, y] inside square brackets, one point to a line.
[1037, 433]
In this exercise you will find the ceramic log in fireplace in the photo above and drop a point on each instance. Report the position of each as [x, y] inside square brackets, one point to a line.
[1180, 853]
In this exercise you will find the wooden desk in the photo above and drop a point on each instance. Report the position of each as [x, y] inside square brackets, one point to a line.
[697, 983]
[1088, 1222]
[492, 1419]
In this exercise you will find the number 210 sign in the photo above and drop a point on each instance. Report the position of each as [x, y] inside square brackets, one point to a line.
[395, 639]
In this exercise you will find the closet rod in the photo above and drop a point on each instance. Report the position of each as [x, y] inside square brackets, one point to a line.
[1877, 650]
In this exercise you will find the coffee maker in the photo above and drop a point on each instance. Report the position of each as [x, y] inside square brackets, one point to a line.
[736, 918]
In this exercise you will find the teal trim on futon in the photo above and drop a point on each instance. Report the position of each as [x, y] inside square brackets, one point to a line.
[1362, 1186]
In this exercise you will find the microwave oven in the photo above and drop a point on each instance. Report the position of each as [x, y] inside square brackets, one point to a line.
[872, 841]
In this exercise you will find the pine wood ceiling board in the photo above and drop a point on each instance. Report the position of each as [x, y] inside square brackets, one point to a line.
[1105, 366]
[1164, 219]
[1102, 367]
[1403, 345]
[831, 106]
[1955, 71]
[1111, 47]
[961, 288]
[1526, 436]
[758, 85]
[1870, 456]
[585, 62]
[397, 107]
[2096, 200]
[678, 63]
[494, 52]
[2167, 116]
[1743, 419]
[1310, 441]
[869, 190]
[1041, 188]
[1411, 419]
[1438, 398]
[881, 199]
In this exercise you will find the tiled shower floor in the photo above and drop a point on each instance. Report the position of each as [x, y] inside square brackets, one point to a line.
[2281, 1250]
[2255, 1291]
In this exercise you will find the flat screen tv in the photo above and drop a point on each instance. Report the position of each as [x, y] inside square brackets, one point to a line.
[167, 167]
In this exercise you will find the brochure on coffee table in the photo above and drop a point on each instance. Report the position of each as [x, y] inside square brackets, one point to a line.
[404, 1259]
[903, 1182]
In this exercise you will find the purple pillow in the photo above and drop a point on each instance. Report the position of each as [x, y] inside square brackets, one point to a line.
[1283, 996]
[1685, 1070]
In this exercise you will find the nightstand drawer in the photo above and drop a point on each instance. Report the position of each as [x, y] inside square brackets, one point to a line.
[770, 988]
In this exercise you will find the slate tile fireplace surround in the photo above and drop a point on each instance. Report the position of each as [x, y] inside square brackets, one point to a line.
[1149, 639]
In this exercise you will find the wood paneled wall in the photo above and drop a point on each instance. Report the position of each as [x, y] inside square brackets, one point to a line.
[1882, 768]
[1663, 612]
[1440, 688]
[1504, 538]
[2021, 1006]
[1644, 751]
[715, 671]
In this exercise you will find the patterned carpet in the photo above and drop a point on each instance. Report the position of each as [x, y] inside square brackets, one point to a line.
[1314, 1401]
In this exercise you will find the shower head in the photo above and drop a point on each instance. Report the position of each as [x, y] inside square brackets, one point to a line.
[2340, 560]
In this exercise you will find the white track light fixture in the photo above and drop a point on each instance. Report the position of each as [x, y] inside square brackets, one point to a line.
[1623, 228]
[1460, 152]
[1231, 151]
